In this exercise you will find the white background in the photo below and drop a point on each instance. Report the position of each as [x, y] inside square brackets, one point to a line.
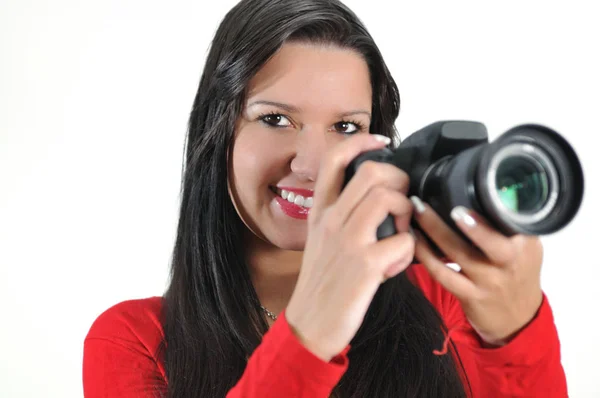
[94, 100]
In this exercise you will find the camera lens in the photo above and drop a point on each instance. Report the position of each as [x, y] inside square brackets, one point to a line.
[529, 180]
[522, 184]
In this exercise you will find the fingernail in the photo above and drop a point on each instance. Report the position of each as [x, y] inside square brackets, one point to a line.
[382, 138]
[460, 213]
[419, 206]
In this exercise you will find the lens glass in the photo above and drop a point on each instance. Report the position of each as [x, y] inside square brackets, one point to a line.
[522, 184]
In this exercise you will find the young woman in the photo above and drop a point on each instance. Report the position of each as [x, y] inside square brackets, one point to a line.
[279, 287]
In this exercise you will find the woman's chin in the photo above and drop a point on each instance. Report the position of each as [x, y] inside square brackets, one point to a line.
[289, 241]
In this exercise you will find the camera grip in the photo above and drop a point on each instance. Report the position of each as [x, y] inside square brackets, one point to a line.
[388, 226]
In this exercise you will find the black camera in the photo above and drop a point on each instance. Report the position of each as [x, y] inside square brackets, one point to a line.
[527, 181]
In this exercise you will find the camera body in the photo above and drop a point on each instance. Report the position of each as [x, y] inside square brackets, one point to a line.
[527, 181]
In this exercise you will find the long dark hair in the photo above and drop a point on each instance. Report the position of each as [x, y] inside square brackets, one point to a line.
[212, 317]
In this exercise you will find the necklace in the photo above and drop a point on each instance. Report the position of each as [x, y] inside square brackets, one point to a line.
[269, 313]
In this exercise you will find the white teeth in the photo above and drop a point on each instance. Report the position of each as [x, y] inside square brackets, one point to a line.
[308, 202]
[296, 199]
[299, 200]
[291, 197]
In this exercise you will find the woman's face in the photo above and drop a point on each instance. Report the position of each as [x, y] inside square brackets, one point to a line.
[305, 100]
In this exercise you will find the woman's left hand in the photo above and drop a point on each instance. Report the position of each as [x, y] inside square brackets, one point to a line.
[498, 286]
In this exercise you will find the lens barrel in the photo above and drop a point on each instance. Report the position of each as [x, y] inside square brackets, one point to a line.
[527, 181]
[530, 180]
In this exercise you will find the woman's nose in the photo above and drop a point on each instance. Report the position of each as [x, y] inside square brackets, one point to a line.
[310, 148]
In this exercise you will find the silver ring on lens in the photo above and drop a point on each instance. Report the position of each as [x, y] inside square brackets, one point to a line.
[541, 162]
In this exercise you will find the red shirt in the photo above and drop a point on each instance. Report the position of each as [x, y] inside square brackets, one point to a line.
[119, 355]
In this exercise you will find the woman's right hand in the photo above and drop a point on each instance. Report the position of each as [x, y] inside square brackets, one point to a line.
[344, 263]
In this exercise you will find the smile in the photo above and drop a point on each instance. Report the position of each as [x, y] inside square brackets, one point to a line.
[295, 198]
[294, 202]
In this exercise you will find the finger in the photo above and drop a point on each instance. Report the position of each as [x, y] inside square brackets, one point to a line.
[333, 166]
[391, 256]
[498, 248]
[448, 241]
[363, 222]
[402, 222]
[370, 174]
[455, 282]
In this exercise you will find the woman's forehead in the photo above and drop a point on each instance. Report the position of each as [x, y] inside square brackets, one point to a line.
[308, 75]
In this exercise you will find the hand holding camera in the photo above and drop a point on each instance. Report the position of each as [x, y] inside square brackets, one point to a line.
[343, 263]
[487, 205]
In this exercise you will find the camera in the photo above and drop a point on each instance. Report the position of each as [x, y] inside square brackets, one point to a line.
[527, 181]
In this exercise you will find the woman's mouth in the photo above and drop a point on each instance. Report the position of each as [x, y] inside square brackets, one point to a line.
[295, 197]
[294, 202]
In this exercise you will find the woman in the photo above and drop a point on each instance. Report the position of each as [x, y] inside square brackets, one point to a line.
[279, 287]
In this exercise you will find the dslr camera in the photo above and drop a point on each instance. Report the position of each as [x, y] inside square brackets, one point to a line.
[527, 181]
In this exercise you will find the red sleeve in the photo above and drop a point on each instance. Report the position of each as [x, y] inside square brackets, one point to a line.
[120, 352]
[282, 367]
[528, 366]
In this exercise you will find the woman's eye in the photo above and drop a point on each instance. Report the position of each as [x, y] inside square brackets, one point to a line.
[347, 127]
[276, 120]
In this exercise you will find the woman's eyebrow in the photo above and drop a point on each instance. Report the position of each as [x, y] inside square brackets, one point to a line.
[293, 109]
